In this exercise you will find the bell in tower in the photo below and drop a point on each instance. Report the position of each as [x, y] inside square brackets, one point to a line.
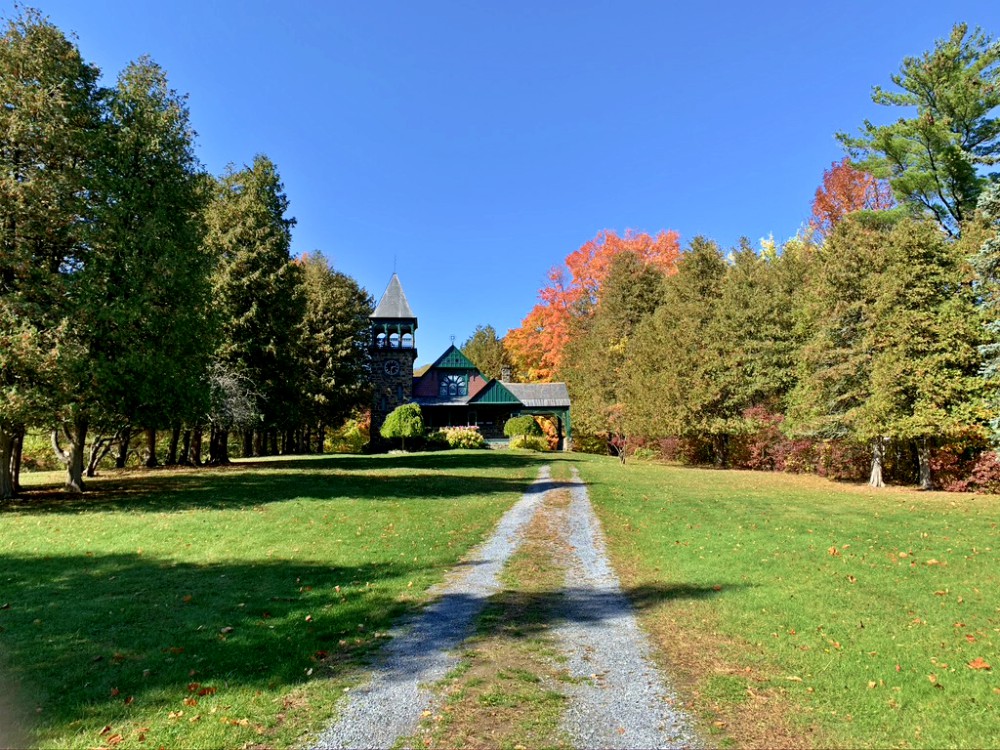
[393, 354]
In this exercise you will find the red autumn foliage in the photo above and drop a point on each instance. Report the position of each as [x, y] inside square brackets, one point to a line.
[845, 190]
[573, 289]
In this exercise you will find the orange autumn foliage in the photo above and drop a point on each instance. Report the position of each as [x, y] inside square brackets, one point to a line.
[573, 291]
[845, 190]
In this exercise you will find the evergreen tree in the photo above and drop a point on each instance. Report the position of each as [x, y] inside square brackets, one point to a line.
[924, 390]
[891, 345]
[595, 365]
[335, 348]
[486, 351]
[144, 293]
[258, 293]
[50, 117]
[933, 159]
[673, 389]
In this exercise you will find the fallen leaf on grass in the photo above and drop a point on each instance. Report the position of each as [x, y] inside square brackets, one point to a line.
[130, 700]
[852, 579]
[190, 702]
[114, 739]
[833, 552]
[114, 692]
[979, 663]
[208, 691]
[226, 630]
[175, 714]
[107, 728]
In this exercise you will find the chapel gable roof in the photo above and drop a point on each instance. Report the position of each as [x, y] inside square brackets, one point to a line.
[453, 359]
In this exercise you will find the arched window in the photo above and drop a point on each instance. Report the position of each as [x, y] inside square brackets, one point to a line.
[407, 340]
[394, 341]
[380, 341]
[452, 386]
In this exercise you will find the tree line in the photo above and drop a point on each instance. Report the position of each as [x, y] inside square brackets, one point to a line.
[138, 293]
[868, 343]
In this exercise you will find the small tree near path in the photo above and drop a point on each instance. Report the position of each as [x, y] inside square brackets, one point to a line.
[403, 422]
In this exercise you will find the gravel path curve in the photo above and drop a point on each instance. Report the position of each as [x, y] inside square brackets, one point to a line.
[420, 653]
[622, 700]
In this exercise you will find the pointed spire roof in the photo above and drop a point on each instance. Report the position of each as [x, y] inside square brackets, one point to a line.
[393, 303]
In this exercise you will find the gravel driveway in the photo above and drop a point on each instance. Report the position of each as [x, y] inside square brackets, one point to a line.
[621, 699]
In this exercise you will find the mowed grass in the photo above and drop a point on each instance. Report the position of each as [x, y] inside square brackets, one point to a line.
[228, 607]
[803, 612]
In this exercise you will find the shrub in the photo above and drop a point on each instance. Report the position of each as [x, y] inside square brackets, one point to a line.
[643, 453]
[530, 442]
[524, 425]
[403, 422]
[464, 437]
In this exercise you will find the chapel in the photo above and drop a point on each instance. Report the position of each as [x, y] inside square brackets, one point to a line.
[452, 392]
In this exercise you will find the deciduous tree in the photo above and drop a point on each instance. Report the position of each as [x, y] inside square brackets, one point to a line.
[538, 345]
[844, 191]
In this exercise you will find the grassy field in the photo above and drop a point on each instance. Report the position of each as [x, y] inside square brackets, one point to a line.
[227, 607]
[797, 611]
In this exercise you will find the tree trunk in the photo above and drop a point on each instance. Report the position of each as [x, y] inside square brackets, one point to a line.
[321, 439]
[260, 442]
[194, 453]
[15, 461]
[72, 457]
[307, 446]
[185, 457]
[175, 437]
[151, 461]
[924, 460]
[6, 462]
[218, 447]
[272, 435]
[247, 443]
[123, 445]
[878, 458]
[98, 450]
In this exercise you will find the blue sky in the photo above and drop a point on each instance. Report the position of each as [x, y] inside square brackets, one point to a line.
[474, 145]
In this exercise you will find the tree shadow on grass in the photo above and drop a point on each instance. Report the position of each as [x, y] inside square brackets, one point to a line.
[83, 633]
[253, 483]
[103, 638]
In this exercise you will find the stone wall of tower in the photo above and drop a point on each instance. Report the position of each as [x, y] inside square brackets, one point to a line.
[391, 387]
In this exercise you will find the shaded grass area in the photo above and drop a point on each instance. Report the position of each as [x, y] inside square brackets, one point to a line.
[229, 607]
[838, 615]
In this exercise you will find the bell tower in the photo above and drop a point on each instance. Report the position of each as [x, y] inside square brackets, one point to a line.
[393, 354]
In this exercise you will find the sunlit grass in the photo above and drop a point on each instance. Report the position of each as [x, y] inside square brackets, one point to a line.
[227, 607]
[861, 613]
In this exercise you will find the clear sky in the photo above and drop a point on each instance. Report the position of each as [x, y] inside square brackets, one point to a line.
[472, 145]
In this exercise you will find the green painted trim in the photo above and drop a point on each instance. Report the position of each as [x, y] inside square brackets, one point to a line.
[495, 392]
[453, 359]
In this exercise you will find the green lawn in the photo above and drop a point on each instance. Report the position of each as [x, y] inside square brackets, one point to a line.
[227, 607]
[858, 617]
